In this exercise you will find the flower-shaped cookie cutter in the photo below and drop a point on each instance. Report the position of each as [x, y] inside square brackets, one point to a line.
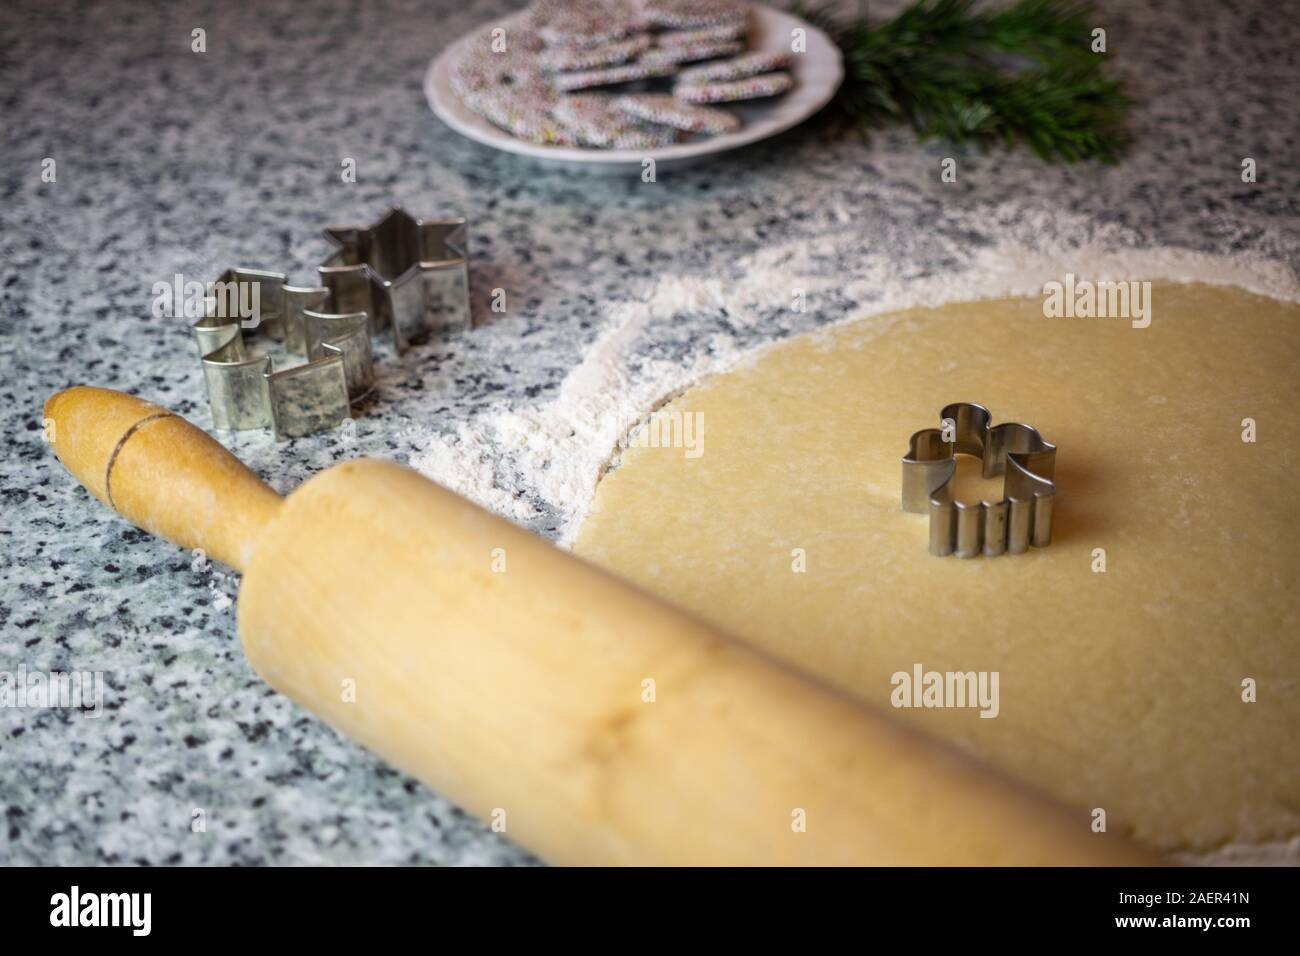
[409, 276]
[245, 390]
[1024, 515]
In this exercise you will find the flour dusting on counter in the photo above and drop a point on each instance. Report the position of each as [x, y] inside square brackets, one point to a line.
[686, 327]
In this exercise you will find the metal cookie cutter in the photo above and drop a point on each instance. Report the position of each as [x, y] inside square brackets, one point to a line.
[1023, 516]
[406, 275]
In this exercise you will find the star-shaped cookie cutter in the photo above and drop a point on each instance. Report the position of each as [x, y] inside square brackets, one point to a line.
[1024, 515]
[410, 276]
[405, 275]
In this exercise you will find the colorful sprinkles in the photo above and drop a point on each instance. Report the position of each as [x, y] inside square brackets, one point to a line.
[586, 79]
[695, 14]
[665, 109]
[739, 68]
[522, 115]
[590, 117]
[755, 87]
[734, 30]
[532, 80]
[691, 52]
[582, 23]
[565, 58]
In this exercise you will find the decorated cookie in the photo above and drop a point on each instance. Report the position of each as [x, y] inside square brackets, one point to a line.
[611, 75]
[691, 52]
[755, 87]
[695, 14]
[584, 23]
[564, 58]
[481, 68]
[590, 117]
[667, 110]
[739, 68]
[523, 115]
[734, 30]
[530, 79]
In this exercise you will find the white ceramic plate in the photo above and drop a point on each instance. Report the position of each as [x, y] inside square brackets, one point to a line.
[817, 74]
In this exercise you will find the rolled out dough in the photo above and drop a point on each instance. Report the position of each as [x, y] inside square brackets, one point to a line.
[1120, 690]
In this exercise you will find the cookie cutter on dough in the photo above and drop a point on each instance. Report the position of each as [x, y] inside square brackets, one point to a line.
[1023, 516]
[405, 275]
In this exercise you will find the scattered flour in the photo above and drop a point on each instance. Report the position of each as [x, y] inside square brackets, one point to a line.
[556, 451]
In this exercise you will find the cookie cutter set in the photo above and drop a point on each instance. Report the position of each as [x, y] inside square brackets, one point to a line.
[409, 276]
[1024, 515]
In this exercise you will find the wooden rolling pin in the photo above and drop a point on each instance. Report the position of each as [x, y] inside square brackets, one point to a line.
[376, 599]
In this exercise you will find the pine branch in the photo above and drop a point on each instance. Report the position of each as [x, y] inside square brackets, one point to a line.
[1020, 74]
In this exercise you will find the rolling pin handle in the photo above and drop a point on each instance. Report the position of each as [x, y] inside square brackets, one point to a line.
[160, 472]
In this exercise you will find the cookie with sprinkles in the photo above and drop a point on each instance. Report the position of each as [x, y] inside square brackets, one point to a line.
[695, 14]
[752, 88]
[590, 117]
[734, 30]
[691, 52]
[583, 23]
[665, 109]
[568, 58]
[645, 136]
[611, 75]
[523, 115]
[737, 68]
[479, 67]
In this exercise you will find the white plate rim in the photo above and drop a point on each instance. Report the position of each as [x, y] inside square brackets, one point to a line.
[818, 74]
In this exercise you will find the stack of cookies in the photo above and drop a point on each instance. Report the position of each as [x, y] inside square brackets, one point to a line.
[583, 72]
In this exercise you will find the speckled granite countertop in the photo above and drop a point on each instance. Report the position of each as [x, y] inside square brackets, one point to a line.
[173, 162]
